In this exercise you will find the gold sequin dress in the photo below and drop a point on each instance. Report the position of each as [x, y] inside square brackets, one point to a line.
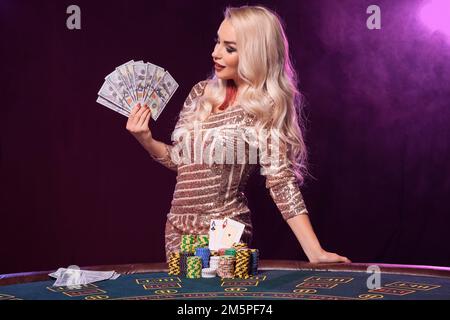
[214, 191]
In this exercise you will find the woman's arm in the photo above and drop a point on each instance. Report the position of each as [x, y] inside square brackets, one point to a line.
[161, 153]
[138, 125]
[284, 189]
[155, 148]
[303, 230]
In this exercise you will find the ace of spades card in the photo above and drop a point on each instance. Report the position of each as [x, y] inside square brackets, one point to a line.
[231, 233]
[215, 229]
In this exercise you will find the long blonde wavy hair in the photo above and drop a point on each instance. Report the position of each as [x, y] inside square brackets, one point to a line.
[271, 93]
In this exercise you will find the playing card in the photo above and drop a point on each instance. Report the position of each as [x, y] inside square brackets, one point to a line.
[215, 229]
[231, 233]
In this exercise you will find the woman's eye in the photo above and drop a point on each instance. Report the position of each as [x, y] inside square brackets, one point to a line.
[229, 50]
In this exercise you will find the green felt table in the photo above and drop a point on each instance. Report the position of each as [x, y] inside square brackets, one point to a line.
[275, 280]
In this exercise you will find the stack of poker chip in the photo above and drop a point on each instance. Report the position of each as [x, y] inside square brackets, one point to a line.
[203, 240]
[226, 266]
[214, 262]
[240, 245]
[194, 267]
[254, 261]
[204, 254]
[242, 263]
[187, 243]
[213, 266]
[239, 261]
[183, 262]
[174, 263]
[230, 252]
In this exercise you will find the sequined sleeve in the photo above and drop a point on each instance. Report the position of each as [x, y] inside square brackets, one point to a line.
[195, 92]
[166, 160]
[281, 180]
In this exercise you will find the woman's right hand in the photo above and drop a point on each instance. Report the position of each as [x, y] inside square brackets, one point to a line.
[138, 123]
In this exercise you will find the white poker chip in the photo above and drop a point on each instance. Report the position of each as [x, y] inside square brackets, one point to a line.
[208, 273]
[205, 275]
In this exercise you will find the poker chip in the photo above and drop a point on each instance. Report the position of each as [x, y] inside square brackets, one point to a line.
[226, 266]
[214, 259]
[230, 252]
[183, 262]
[254, 261]
[194, 267]
[209, 272]
[240, 245]
[187, 243]
[174, 263]
[214, 262]
[242, 263]
[204, 254]
[203, 240]
[221, 251]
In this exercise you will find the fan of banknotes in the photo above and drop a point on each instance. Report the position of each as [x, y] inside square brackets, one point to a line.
[134, 82]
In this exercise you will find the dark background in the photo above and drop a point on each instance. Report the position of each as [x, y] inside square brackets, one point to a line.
[76, 188]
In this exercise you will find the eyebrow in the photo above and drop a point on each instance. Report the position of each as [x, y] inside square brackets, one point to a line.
[227, 42]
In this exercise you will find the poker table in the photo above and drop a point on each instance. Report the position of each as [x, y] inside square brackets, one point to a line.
[285, 280]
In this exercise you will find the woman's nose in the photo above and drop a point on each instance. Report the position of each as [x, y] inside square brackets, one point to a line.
[214, 54]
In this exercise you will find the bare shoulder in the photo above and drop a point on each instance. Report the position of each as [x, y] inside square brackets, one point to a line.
[208, 85]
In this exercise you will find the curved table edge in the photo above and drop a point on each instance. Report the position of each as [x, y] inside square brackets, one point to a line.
[418, 270]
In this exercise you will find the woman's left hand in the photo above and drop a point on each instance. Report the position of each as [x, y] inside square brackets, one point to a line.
[329, 257]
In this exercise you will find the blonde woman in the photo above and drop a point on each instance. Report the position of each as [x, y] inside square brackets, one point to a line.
[254, 86]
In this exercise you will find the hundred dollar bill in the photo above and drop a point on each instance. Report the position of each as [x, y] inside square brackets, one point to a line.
[150, 79]
[125, 72]
[131, 76]
[157, 76]
[108, 92]
[150, 72]
[116, 81]
[167, 86]
[112, 106]
[159, 98]
[140, 72]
